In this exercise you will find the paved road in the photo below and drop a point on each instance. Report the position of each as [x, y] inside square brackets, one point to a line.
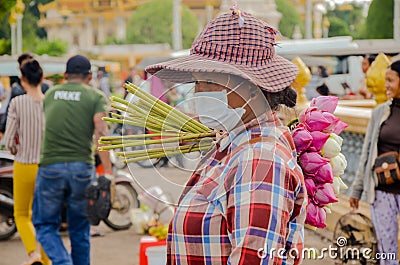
[122, 247]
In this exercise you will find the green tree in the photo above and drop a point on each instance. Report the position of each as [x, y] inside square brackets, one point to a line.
[338, 27]
[348, 15]
[5, 7]
[379, 23]
[52, 48]
[31, 33]
[290, 18]
[152, 23]
[5, 46]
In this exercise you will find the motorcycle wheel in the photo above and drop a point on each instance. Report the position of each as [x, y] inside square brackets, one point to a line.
[126, 198]
[7, 223]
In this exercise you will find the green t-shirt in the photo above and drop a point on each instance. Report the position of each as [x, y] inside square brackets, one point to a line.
[69, 109]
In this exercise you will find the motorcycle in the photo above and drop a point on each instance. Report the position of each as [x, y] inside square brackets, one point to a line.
[125, 199]
[7, 224]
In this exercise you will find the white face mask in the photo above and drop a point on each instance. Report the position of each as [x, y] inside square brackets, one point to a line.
[214, 112]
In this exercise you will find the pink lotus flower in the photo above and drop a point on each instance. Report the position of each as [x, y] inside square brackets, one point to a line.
[313, 119]
[340, 126]
[333, 121]
[312, 162]
[319, 139]
[327, 103]
[310, 186]
[316, 216]
[325, 195]
[302, 138]
[324, 174]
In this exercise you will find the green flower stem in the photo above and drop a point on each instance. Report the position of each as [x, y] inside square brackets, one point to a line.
[135, 136]
[150, 114]
[133, 143]
[154, 129]
[153, 101]
[159, 155]
[150, 152]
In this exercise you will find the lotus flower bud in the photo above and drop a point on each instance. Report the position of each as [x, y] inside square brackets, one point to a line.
[343, 158]
[326, 103]
[338, 164]
[311, 162]
[310, 186]
[340, 126]
[332, 121]
[331, 148]
[325, 195]
[337, 138]
[313, 119]
[302, 138]
[316, 216]
[324, 174]
[319, 139]
[338, 185]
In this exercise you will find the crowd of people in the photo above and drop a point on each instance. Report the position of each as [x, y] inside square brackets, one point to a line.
[52, 139]
[248, 192]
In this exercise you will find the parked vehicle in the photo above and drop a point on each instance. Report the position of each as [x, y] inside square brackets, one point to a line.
[7, 223]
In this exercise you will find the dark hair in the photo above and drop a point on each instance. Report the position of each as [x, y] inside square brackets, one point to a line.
[370, 58]
[286, 97]
[32, 71]
[395, 66]
[323, 90]
[23, 57]
[324, 73]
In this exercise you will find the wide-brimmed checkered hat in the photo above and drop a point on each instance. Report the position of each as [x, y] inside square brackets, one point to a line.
[233, 43]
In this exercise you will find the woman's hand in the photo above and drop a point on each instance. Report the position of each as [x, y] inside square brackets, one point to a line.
[354, 203]
[13, 150]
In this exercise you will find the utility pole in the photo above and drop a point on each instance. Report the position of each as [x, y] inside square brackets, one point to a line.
[308, 19]
[177, 25]
[396, 20]
[12, 20]
[19, 10]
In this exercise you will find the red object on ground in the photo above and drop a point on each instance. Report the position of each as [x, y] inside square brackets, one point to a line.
[145, 242]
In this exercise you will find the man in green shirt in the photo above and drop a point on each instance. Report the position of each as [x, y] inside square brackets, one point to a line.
[73, 114]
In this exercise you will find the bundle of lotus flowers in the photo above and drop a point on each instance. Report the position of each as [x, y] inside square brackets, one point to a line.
[176, 132]
[318, 146]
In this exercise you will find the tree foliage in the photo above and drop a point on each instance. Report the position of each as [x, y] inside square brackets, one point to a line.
[52, 48]
[379, 23]
[290, 18]
[346, 21]
[152, 23]
[5, 7]
[338, 27]
[31, 33]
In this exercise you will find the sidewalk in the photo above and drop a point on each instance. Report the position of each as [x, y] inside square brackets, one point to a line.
[122, 248]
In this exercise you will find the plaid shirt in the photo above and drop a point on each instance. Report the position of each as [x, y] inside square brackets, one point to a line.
[246, 198]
